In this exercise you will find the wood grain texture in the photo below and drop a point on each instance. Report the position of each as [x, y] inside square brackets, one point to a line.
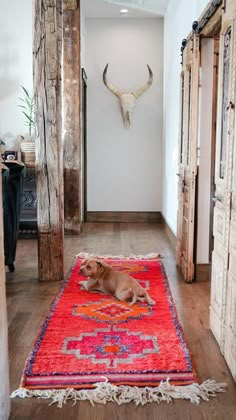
[223, 285]
[70, 4]
[47, 86]
[4, 368]
[213, 138]
[71, 119]
[213, 25]
[124, 216]
[187, 169]
[72, 201]
[229, 308]
[202, 272]
[29, 302]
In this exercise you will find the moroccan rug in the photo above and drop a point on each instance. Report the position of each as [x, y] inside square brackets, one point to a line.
[92, 346]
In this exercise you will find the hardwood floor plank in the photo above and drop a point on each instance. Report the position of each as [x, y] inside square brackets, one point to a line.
[29, 302]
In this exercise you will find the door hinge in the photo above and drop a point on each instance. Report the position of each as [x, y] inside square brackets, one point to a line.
[224, 6]
[228, 261]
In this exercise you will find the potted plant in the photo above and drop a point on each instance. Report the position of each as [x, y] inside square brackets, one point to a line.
[2, 143]
[27, 142]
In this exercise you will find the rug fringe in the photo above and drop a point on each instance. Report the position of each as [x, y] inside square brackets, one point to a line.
[123, 394]
[152, 255]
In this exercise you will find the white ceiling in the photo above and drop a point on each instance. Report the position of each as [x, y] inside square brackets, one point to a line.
[137, 8]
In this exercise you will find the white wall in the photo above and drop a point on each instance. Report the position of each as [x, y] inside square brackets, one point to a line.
[177, 25]
[124, 165]
[15, 63]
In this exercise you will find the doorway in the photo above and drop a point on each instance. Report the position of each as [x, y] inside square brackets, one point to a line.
[208, 95]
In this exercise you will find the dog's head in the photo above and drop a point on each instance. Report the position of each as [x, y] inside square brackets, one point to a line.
[90, 267]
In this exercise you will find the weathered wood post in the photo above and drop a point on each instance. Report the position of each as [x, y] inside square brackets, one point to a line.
[47, 53]
[4, 367]
[71, 115]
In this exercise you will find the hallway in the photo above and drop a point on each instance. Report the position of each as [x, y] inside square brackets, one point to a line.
[29, 301]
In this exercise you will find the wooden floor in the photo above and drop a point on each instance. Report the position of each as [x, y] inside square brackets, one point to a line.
[29, 301]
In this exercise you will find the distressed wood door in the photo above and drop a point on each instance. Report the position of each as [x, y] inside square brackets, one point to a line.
[229, 349]
[189, 82]
[229, 342]
[223, 279]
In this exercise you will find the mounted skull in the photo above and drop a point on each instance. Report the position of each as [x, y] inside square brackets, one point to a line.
[127, 101]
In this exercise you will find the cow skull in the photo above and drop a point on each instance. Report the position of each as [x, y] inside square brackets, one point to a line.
[127, 101]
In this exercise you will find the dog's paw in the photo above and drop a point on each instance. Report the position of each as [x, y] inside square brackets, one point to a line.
[152, 302]
[83, 284]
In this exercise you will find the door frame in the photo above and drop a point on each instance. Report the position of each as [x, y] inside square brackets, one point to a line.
[84, 115]
[188, 138]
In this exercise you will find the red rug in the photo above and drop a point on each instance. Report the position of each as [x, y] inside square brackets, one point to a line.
[89, 338]
[93, 347]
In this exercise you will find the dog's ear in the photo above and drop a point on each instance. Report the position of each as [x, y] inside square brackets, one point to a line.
[101, 263]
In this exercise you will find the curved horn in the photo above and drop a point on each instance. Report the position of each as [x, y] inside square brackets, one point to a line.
[138, 92]
[109, 86]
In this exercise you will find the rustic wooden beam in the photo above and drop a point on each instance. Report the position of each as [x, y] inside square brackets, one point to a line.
[71, 116]
[4, 367]
[70, 4]
[47, 52]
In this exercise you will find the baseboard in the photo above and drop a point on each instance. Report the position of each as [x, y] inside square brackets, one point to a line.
[28, 230]
[170, 233]
[124, 216]
[202, 272]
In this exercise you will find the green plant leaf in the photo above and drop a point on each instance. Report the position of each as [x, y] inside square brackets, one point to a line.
[27, 108]
[28, 117]
[26, 91]
[28, 102]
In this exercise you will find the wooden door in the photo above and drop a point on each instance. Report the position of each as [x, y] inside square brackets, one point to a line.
[188, 157]
[213, 138]
[223, 281]
[229, 349]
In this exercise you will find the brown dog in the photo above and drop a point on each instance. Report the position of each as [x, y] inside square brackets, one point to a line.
[104, 278]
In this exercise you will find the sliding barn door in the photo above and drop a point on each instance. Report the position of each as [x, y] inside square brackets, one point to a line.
[223, 283]
[189, 87]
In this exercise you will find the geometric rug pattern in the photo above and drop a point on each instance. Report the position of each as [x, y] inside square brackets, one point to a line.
[91, 337]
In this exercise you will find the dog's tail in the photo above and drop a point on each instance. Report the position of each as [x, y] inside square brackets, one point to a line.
[134, 293]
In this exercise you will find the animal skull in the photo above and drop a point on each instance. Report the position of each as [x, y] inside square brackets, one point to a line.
[127, 101]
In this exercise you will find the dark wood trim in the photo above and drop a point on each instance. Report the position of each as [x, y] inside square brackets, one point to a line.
[84, 83]
[71, 232]
[202, 272]
[71, 117]
[172, 237]
[125, 216]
